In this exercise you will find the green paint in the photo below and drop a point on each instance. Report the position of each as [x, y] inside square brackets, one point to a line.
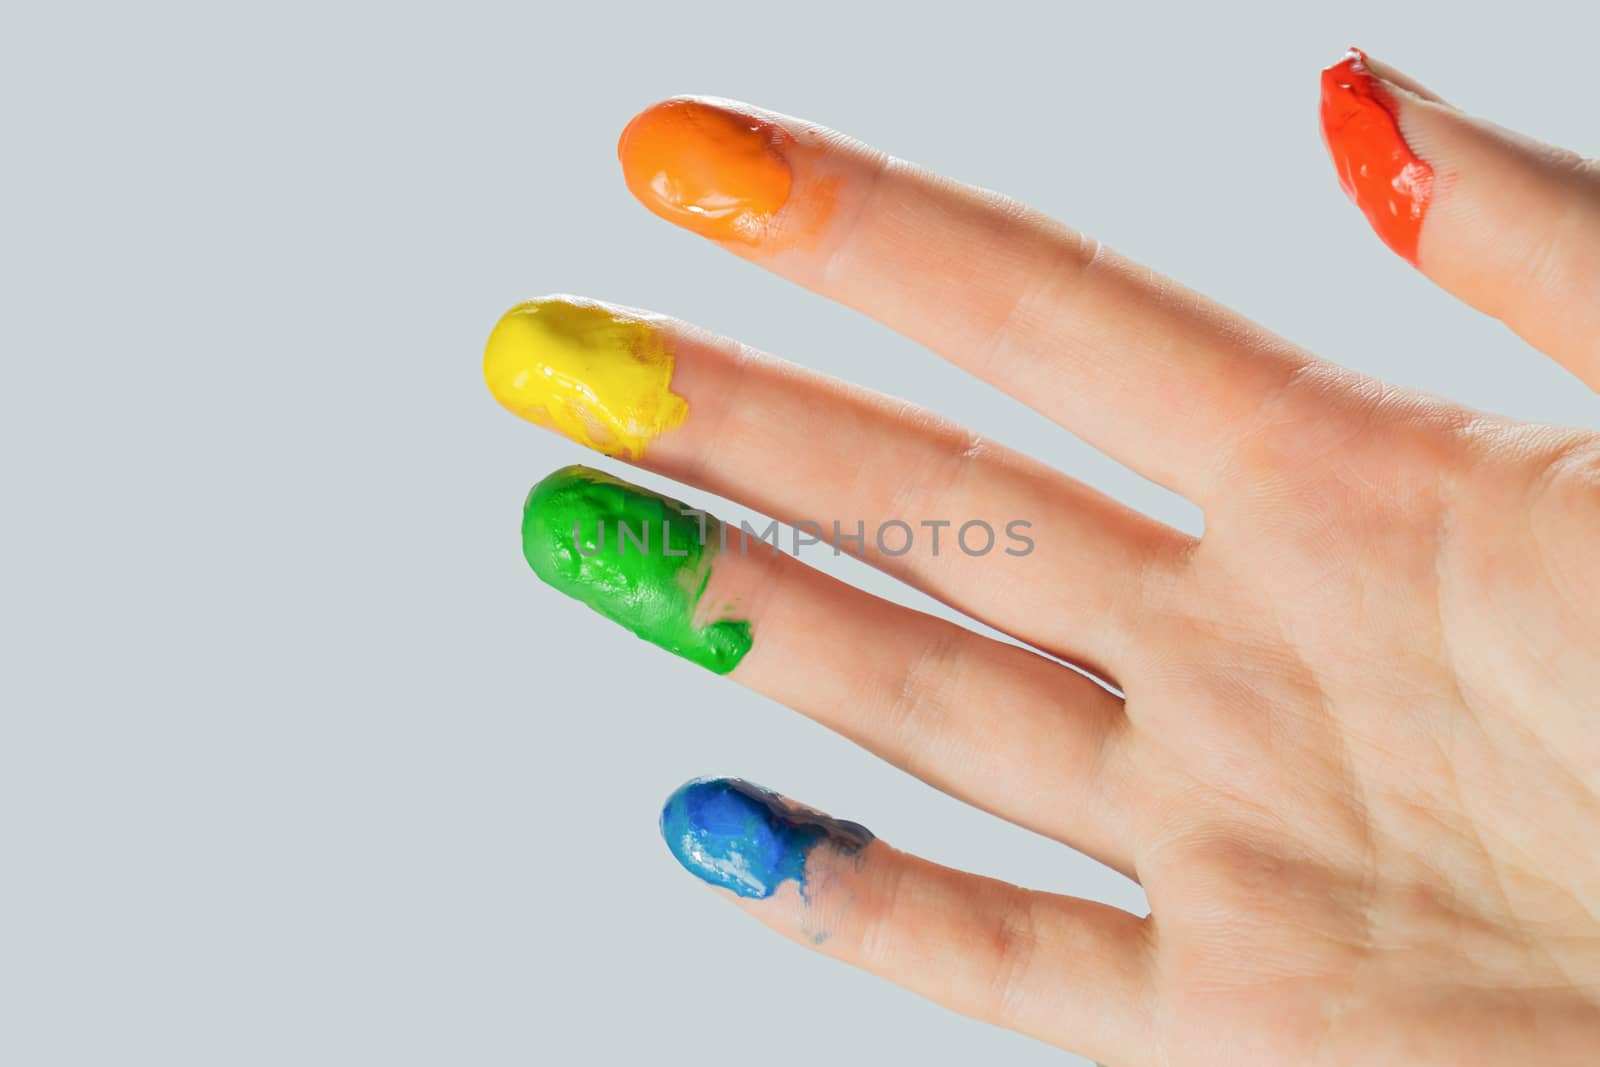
[633, 556]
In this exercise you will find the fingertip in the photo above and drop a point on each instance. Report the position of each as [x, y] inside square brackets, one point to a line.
[639, 558]
[597, 374]
[738, 836]
[1377, 167]
[713, 166]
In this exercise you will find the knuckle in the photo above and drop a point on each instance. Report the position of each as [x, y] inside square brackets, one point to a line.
[1016, 947]
[920, 704]
[875, 944]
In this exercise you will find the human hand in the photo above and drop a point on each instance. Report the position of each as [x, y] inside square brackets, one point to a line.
[1356, 762]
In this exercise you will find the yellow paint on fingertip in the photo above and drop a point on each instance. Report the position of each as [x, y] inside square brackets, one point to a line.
[596, 374]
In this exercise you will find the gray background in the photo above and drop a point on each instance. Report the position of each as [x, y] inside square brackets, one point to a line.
[299, 763]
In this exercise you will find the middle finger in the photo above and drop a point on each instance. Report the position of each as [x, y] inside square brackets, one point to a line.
[1003, 538]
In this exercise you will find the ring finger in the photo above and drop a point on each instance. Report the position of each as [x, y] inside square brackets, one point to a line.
[994, 724]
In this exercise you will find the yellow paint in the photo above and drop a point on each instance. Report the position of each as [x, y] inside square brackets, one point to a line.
[593, 373]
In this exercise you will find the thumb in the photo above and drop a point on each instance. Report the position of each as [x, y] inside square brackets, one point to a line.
[1509, 225]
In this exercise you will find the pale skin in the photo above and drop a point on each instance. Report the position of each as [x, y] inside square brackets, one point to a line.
[1356, 768]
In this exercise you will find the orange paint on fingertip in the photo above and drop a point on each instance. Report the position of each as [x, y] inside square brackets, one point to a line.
[708, 167]
[1377, 168]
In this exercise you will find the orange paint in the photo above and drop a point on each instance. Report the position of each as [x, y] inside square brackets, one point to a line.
[720, 172]
[1378, 170]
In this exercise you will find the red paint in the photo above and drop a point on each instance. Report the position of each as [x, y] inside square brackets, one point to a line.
[1387, 181]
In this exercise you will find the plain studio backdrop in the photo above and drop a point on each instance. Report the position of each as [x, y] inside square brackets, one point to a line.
[300, 763]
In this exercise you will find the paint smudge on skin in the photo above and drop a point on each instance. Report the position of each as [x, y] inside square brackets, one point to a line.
[1377, 168]
[596, 374]
[747, 839]
[708, 168]
[635, 557]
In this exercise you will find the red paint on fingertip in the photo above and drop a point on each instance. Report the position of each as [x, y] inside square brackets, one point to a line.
[1377, 168]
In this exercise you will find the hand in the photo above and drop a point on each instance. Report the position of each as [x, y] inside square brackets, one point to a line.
[1356, 765]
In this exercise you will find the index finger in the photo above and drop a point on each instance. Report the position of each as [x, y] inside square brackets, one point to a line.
[1155, 375]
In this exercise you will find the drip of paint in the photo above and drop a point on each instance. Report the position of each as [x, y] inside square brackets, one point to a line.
[708, 168]
[600, 376]
[635, 557]
[1377, 168]
[750, 840]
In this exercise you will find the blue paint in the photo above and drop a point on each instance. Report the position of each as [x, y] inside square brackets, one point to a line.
[739, 836]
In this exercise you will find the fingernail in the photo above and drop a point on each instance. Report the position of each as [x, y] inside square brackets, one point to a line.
[1377, 168]
[737, 835]
[639, 558]
[596, 374]
[708, 167]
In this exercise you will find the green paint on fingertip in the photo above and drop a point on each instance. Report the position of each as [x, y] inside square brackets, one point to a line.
[639, 558]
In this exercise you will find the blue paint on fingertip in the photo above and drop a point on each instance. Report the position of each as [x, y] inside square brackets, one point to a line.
[750, 840]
